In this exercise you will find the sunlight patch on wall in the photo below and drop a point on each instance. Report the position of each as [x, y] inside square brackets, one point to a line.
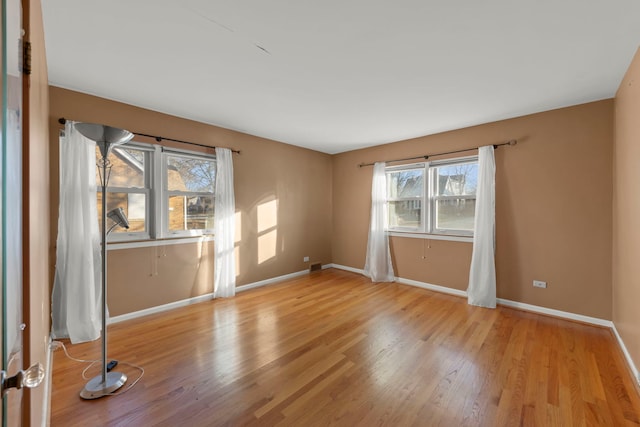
[238, 238]
[267, 246]
[238, 232]
[236, 252]
[267, 230]
[267, 215]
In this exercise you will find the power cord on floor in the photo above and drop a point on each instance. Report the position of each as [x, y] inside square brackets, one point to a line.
[55, 345]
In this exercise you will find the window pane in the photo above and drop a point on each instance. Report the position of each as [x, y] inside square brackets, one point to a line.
[188, 174]
[190, 212]
[405, 213]
[134, 206]
[404, 184]
[455, 214]
[458, 179]
[127, 168]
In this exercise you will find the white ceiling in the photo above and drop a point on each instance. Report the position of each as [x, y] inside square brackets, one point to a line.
[337, 75]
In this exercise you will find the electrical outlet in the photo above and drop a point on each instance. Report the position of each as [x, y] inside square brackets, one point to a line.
[305, 259]
[539, 284]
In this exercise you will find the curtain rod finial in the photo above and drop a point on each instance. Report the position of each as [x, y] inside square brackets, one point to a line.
[62, 120]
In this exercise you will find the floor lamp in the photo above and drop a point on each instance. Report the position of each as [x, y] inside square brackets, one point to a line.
[106, 137]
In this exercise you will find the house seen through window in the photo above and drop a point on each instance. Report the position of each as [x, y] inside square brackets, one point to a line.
[435, 197]
[163, 193]
[190, 193]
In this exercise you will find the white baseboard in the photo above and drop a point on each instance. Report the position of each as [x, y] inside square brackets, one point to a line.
[432, 287]
[556, 313]
[160, 308]
[201, 298]
[627, 356]
[271, 281]
[345, 268]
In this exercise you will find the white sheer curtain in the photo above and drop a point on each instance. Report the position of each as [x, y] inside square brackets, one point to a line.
[76, 300]
[378, 263]
[482, 275]
[224, 272]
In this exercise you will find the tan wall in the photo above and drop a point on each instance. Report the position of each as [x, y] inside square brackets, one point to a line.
[36, 201]
[148, 277]
[283, 201]
[553, 209]
[626, 210]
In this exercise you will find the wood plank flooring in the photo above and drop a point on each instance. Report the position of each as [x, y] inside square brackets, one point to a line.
[332, 348]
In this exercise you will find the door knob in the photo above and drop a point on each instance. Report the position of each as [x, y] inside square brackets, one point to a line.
[29, 378]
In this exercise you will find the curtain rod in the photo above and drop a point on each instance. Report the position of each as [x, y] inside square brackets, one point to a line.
[426, 156]
[63, 121]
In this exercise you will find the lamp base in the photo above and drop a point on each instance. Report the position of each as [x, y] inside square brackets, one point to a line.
[95, 388]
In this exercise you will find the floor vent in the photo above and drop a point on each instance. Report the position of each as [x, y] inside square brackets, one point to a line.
[315, 267]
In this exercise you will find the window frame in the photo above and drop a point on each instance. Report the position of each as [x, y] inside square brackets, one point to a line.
[147, 191]
[434, 197]
[430, 199]
[164, 231]
[423, 213]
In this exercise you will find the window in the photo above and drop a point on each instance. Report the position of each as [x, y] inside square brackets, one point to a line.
[435, 198]
[128, 188]
[454, 197]
[405, 197]
[189, 199]
[163, 193]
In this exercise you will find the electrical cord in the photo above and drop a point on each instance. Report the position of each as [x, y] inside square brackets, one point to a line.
[55, 345]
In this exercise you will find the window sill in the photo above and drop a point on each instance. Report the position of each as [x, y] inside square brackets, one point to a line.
[158, 242]
[467, 239]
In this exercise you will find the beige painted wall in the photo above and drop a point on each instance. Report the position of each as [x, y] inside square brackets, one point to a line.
[553, 209]
[140, 278]
[36, 301]
[626, 210]
[283, 203]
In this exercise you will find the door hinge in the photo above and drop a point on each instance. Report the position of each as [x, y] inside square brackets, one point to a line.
[25, 64]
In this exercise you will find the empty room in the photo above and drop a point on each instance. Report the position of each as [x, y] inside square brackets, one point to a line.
[344, 213]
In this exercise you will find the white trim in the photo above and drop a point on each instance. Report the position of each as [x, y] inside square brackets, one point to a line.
[627, 356]
[201, 298]
[271, 281]
[431, 287]
[346, 268]
[501, 301]
[468, 239]
[189, 154]
[48, 376]
[455, 160]
[555, 313]
[161, 242]
[160, 308]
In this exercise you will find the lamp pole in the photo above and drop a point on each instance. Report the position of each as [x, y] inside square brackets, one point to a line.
[104, 180]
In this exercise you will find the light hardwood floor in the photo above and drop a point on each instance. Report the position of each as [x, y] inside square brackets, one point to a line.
[332, 348]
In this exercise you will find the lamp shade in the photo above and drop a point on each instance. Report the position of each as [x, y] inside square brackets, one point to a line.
[117, 216]
[104, 136]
